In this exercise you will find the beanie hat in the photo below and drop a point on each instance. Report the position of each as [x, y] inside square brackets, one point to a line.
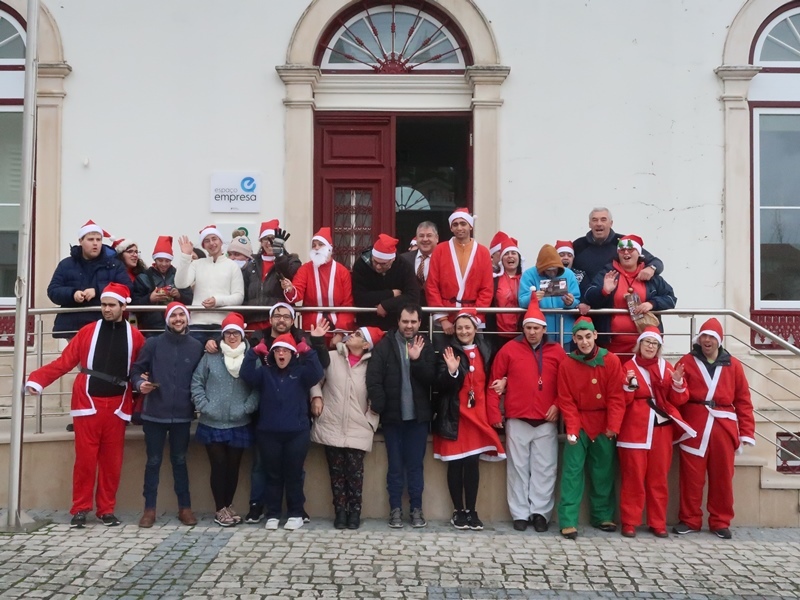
[497, 240]
[324, 235]
[650, 332]
[508, 245]
[122, 244]
[385, 247]
[373, 335]
[268, 228]
[163, 248]
[631, 241]
[565, 246]
[582, 323]
[285, 340]
[172, 307]
[711, 327]
[462, 213]
[234, 321]
[534, 313]
[118, 292]
[241, 245]
[471, 313]
[282, 305]
[207, 231]
[92, 227]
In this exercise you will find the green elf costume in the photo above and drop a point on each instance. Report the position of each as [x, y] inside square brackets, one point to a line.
[592, 403]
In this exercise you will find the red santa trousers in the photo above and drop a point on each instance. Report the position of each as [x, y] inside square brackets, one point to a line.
[718, 462]
[99, 442]
[644, 478]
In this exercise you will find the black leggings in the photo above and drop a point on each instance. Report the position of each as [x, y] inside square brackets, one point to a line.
[463, 478]
[225, 461]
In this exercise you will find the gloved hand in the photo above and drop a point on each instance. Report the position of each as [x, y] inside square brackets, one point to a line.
[279, 241]
[261, 349]
[302, 347]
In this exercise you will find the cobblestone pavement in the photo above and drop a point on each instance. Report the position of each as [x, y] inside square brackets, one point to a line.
[172, 561]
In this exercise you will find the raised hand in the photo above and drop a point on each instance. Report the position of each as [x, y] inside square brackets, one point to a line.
[677, 374]
[450, 359]
[261, 349]
[610, 281]
[321, 329]
[415, 348]
[279, 241]
[186, 245]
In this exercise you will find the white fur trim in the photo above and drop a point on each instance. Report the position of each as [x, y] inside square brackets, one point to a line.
[174, 308]
[509, 249]
[650, 334]
[284, 345]
[495, 248]
[383, 255]
[34, 385]
[633, 243]
[94, 228]
[534, 320]
[710, 332]
[565, 249]
[461, 215]
[265, 233]
[163, 255]
[289, 307]
[367, 336]
[322, 240]
[115, 296]
[232, 326]
[209, 231]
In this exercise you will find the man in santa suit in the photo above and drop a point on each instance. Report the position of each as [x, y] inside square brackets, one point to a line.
[591, 401]
[322, 281]
[460, 273]
[721, 411]
[101, 402]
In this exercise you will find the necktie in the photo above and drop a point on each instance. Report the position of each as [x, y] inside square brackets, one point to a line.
[421, 270]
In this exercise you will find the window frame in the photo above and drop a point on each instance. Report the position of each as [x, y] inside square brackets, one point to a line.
[772, 21]
[19, 63]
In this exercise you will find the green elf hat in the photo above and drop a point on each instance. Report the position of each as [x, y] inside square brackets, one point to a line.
[582, 323]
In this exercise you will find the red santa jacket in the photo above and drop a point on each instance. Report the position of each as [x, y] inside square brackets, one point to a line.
[80, 351]
[529, 394]
[640, 417]
[590, 395]
[446, 286]
[732, 407]
[330, 285]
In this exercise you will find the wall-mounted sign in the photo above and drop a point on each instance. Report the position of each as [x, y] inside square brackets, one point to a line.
[236, 191]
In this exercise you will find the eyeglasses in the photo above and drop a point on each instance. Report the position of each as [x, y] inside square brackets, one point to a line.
[131, 251]
[281, 317]
[650, 343]
[231, 333]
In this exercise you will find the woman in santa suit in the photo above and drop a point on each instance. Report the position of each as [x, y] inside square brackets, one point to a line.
[462, 433]
[653, 391]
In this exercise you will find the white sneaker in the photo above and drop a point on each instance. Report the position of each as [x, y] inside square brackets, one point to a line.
[271, 524]
[293, 523]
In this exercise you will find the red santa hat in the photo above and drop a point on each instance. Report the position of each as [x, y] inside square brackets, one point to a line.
[118, 292]
[630, 241]
[412, 243]
[534, 314]
[509, 245]
[268, 228]
[289, 307]
[385, 247]
[172, 307]
[285, 340]
[711, 327]
[373, 335]
[207, 231]
[650, 332]
[92, 227]
[470, 313]
[462, 213]
[565, 246]
[163, 247]
[497, 242]
[122, 244]
[234, 321]
[324, 235]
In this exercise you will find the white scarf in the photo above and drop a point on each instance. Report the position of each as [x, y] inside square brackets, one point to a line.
[233, 357]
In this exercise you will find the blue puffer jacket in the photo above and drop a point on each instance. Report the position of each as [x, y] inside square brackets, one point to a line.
[76, 273]
[170, 359]
[284, 393]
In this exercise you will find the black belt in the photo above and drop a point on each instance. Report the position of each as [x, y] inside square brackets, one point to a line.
[710, 403]
[105, 377]
[455, 300]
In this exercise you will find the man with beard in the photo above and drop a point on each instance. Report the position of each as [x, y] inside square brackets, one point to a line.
[157, 286]
[384, 283]
[217, 281]
[420, 257]
[322, 281]
[399, 375]
[102, 402]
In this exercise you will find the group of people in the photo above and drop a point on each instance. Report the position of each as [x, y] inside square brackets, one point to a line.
[333, 380]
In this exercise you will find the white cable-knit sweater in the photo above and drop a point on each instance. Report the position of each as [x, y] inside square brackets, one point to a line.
[221, 279]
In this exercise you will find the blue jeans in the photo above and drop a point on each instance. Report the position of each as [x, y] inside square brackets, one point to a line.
[405, 448]
[283, 455]
[155, 435]
[203, 333]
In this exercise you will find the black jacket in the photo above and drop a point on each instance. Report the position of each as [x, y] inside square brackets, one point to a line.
[411, 258]
[445, 423]
[371, 288]
[145, 284]
[384, 373]
[269, 291]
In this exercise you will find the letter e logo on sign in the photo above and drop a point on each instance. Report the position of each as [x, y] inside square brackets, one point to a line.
[235, 192]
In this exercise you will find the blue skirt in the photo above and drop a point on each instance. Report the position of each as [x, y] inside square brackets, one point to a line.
[237, 437]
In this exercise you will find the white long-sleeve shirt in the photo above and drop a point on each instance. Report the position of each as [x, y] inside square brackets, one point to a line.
[221, 279]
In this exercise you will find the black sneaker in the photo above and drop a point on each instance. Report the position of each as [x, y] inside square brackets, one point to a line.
[109, 520]
[255, 514]
[520, 524]
[473, 521]
[682, 529]
[78, 520]
[539, 523]
[459, 519]
[724, 533]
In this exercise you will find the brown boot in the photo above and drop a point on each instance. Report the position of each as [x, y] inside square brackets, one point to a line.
[186, 516]
[148, 518]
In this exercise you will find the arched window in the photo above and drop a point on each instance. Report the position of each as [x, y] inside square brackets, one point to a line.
[12, 85]
[779, 43]
[393, 39]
